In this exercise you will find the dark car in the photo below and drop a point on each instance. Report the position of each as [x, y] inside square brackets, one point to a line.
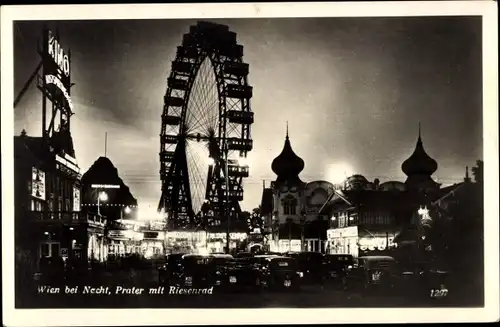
[239, 274]
[373, 272]
[244, 255]
[171, 269]
[278, 272]
[424, 281]
[310, 266]
[201, 270]
[337, 265]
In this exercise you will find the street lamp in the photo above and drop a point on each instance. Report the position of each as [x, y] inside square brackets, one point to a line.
[128, 210]
[103, 196]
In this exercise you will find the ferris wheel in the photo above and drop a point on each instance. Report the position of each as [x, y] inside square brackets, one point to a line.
[205, 129]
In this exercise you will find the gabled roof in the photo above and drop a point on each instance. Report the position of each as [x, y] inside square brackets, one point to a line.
[356, 198]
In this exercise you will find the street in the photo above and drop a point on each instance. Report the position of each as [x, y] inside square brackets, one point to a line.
[308, 296]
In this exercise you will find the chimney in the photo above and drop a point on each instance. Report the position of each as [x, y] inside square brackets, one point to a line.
[467, 178]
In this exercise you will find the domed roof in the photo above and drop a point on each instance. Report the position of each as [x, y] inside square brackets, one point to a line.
[419, 163]
[356, 182]
[287, 165]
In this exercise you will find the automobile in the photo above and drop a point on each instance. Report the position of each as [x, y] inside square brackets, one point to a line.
[336, 266]
[240, 274]
[424, 281]
[198, 270]
[310, 266]
[278, 272]
[372, 272]
[171, 269]
[244, 255]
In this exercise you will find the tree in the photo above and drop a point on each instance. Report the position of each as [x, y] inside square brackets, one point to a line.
[256, 219]
[245, 217]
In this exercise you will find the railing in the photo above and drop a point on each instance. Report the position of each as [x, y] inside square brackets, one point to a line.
[69, 217]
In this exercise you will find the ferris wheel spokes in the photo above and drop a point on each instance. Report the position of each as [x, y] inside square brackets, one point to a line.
[206, 115]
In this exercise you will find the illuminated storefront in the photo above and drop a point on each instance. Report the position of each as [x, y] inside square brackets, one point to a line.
[357, 241]
[152, 244]
[201, 241]
[123, 242]
[285, 245]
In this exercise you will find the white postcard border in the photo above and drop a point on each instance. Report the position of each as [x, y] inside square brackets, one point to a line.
[25, 317]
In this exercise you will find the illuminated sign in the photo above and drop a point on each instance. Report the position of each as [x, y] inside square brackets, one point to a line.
[372, 243]
[104, 186]
[57, 53]
[67, 163]
[125, 235]
[154, 235]
[190, 235]
[38, 184]
[76, 199]
[51, 79]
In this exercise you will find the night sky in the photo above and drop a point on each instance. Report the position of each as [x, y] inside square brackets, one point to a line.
[353, 91]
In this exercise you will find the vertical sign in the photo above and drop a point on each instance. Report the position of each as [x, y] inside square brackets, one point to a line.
[38, 184]
[76, 199]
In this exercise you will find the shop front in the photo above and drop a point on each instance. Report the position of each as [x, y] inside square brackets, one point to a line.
[201, 241]
[343, 241]
[285, 245]
[152, 244]
[359, 241]
[123, 242]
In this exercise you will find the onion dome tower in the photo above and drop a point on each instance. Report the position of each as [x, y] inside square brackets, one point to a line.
[419, 168]
[287, 165]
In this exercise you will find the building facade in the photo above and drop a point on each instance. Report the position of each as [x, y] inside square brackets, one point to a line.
[49, 222]
[290, 207]
[105, 194]
[372, 218]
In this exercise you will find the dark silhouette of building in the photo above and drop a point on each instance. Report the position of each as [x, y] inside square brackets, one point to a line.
[103, 176]
[48, 216]
[104, 193]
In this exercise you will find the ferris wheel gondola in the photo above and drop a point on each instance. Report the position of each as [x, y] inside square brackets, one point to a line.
[205, 130]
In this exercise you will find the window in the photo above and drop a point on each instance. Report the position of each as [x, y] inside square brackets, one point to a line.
[289, 205]
[49, 249]
[36, 205]
[67, 208]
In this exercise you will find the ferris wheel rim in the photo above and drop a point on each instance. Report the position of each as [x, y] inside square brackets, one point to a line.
[216, 62]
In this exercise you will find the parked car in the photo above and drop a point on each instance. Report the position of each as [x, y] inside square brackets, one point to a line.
[336, 266]
[244, 255]
[239, 274]
[278, 272]
[171, 269]
[310, 266]
[197, 270]
[372, 272]
[424, 281]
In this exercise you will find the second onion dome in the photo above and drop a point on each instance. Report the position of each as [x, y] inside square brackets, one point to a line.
[287, 165]
[419, 163]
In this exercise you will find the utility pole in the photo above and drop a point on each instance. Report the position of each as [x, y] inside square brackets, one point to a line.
[226, 206]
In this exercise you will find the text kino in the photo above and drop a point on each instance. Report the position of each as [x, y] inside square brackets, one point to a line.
[57, 53]
[51, 79]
